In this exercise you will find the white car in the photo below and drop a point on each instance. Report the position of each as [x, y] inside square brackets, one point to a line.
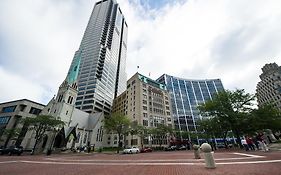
[131, 150]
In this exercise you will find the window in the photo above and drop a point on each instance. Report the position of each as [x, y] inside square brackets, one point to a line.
[60, 98]
[144, 108]
[79, 98]
[145, 123]
[133, 82]
[4, 120]
[78, 103]
[145, 115]
[9, 109]
[22, 107]
[34, 111]
[89, 96]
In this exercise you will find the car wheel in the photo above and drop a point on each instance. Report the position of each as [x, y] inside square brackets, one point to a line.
[137, 152]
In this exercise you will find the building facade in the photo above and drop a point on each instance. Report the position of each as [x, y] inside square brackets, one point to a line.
[146, 102]
[10, 115]
[268, 90]
[186, 95]
[80, 128]
[102, 58]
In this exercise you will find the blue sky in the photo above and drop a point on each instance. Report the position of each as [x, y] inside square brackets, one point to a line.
[194, 39]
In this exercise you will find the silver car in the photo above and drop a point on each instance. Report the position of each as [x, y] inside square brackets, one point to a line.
[131, 150]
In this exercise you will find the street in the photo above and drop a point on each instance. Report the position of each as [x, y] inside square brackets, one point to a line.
[160, 163]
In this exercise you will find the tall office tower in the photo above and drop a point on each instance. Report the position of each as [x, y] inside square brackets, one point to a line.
[269, 88]
[102, 52]
[186, 95]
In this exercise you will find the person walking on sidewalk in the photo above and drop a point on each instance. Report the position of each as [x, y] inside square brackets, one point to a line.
[262, 144]
[250, 143]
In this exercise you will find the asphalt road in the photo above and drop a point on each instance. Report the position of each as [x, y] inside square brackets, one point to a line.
[156, 163]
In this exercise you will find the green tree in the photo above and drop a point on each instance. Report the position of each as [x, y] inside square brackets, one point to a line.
[11, 134]
[142, 132]
[214, 128]
[161, 132]
[230, 108]
[134, 129]
[265, 117]
[117, 123]
[41, 124]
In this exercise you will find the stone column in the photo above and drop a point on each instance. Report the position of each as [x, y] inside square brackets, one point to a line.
[208, 155]
[196, 151]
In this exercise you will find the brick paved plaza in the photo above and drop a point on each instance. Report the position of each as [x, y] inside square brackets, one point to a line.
[162, 163]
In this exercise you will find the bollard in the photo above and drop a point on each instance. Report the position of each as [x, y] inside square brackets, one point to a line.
[196, 151]
[209, 158]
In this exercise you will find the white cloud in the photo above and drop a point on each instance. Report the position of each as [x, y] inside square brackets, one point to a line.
[14, 87]
[224, 39]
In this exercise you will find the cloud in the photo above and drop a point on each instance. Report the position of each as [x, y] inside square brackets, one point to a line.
[15, 87]
[201, 39]
[39, 39]
[230, 40]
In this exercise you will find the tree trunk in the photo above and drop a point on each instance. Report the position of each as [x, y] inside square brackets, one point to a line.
[224, 140]
[237, 135]
[119, 143]
[34, 147]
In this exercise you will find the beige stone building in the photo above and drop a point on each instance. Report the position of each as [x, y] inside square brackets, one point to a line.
[269, 88]
[148, 103]
[10, 115]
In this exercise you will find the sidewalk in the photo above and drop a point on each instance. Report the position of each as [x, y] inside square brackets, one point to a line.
[275, 146]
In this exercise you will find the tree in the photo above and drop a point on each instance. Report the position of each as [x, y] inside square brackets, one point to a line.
[118, 124]
[134, 129]
[142, 132]
[11, 134]
[41, 124]
[160, 132]
[265, 117]
[231, 108]
[214, 128]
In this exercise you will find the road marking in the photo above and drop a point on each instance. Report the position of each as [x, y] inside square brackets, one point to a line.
[132, 160]
[12, 161]
[251, 162]
[248, 155]
[110, 164]
[147, 164]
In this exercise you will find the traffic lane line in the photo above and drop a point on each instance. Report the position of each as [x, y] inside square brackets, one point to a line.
[12, 161]
[148, 164]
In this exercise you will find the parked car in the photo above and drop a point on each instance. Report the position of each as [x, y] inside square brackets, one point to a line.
[1, 149]
[181, 147]
[145, 150]
[170, 148]
[18, 150]
[131, 150]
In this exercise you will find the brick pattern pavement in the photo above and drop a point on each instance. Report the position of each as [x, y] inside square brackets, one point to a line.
[101, 164]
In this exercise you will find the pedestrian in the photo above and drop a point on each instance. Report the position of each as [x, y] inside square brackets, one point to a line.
[262, 144]
[245, 145]
[250, 143]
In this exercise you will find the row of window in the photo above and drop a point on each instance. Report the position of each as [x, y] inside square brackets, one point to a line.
[4, 120]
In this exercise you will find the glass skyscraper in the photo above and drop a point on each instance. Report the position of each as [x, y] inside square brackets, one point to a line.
[102, 55]
[186, 95]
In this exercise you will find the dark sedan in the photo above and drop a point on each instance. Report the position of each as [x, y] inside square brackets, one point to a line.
[12, 150]
[146, 150]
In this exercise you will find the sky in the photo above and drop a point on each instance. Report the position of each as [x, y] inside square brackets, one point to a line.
[193, 39]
